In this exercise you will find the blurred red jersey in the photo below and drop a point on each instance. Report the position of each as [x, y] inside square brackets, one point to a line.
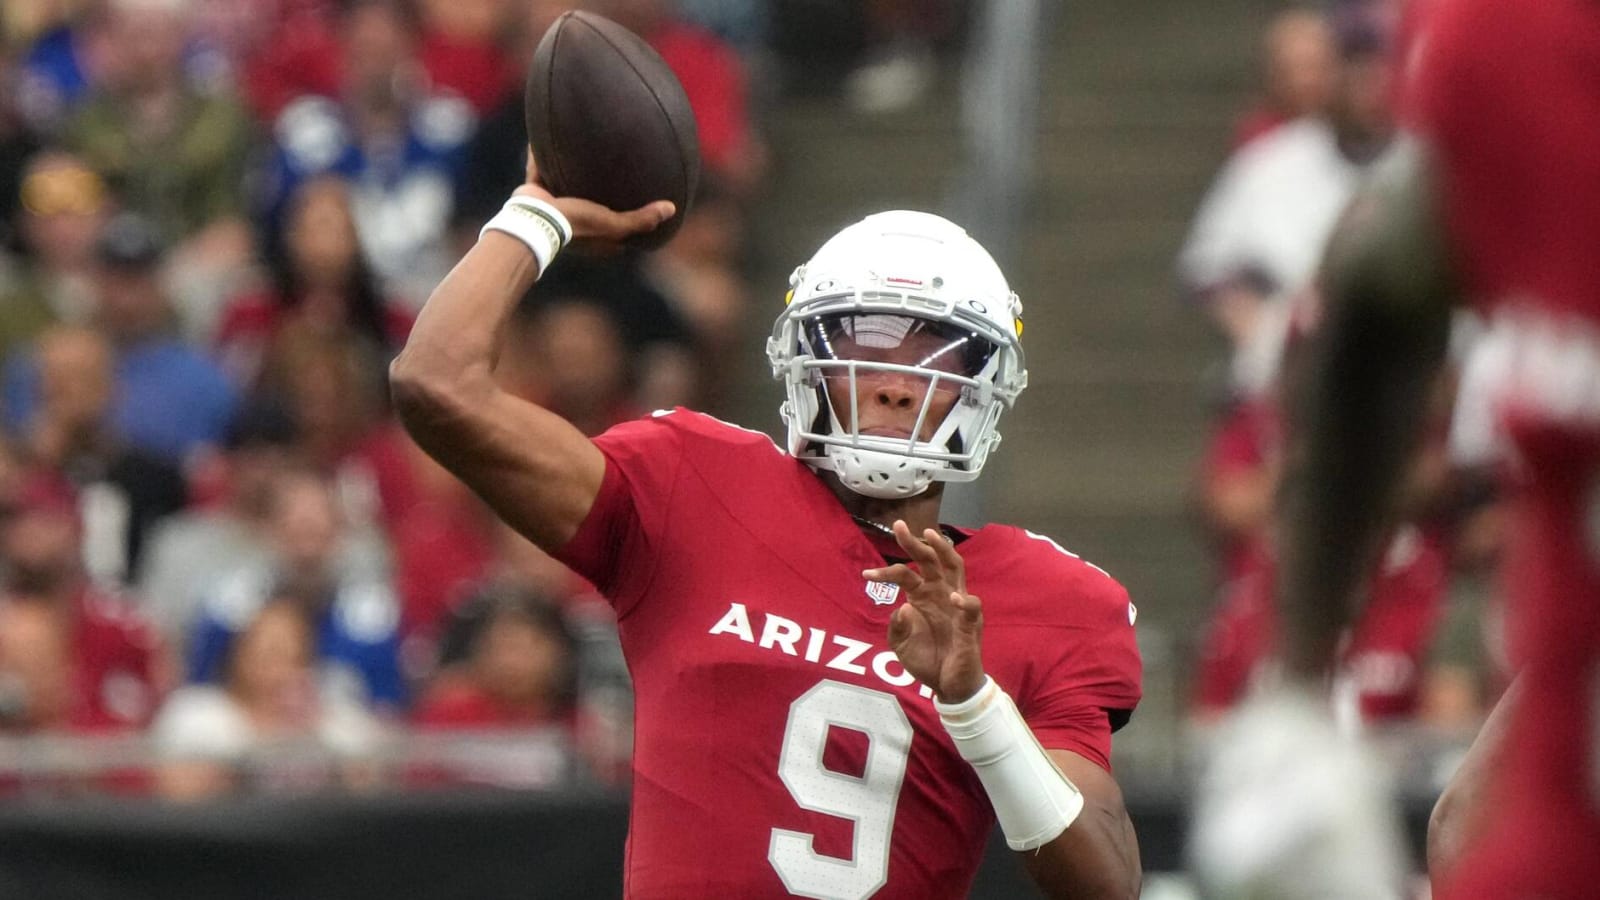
[780, 747]
[1506, 94]
[118, 671]
[1382, 662]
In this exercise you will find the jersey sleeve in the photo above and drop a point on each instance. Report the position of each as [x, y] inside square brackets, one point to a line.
[617, 546]
[1093, 684]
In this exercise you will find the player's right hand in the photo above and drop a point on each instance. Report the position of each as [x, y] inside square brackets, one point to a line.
[937, 633]
[591, 222]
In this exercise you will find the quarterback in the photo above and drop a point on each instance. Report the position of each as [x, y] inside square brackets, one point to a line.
[825, 707]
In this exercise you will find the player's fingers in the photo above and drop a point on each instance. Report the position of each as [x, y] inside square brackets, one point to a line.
[970, 607]
[532, 176]
[902, 624]
[945, 550]
[593, 221]
[645, 218]
[916, 547]
[899, 573]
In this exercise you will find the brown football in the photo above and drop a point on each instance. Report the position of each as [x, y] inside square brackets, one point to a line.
[609, 122]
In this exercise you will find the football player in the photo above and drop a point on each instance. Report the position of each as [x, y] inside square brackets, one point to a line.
[824, 706]
[1493, 200]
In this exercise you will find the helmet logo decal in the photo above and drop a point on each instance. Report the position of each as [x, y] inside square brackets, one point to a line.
[903, 281]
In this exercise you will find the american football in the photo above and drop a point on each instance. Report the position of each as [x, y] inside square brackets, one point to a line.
[608, 121]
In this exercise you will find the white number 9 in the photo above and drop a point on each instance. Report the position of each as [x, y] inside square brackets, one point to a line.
[869, 800]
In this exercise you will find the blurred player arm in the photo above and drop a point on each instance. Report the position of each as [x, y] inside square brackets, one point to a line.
[537, 471]
[1356, 402]
[1459, 813]
[1098, 855]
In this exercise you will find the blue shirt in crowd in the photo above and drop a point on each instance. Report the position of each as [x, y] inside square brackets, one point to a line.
[170, 398]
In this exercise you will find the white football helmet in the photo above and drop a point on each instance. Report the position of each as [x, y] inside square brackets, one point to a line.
[876, 286]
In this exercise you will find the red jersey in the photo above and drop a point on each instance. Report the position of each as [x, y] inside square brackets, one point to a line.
[1383, 658]
[118, 674]
[780, 747]
[1506, 94]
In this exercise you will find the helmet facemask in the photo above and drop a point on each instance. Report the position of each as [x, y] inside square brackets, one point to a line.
[912, 325]
[898, 400]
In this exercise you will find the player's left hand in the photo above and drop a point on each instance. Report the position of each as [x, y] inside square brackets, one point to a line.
[937, 633]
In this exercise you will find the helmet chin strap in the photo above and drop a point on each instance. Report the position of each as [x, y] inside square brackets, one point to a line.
[882, 476]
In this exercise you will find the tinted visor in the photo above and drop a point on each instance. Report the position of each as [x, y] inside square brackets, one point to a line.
[899, 340]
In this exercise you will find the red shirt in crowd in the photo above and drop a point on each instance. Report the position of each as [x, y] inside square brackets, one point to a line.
[119, 673]
[1384, 656]
[713, 77]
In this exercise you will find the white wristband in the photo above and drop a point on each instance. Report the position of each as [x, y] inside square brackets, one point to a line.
[534, 222]
[1032, 799]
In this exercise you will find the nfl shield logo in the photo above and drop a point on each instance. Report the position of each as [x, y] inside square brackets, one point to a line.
[883, 593]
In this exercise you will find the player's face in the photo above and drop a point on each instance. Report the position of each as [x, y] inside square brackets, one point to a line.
[889, 403]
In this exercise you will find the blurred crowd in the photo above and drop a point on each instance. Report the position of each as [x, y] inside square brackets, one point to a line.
[223, 565]
[1427, 649]
[218, 220]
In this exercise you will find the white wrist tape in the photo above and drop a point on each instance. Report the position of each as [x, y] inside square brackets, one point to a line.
[1032, 799]
[535, 223]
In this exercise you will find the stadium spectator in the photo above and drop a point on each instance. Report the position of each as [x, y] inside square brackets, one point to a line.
[64, 206]
[400, 144]
[1237, 481]
[301, 56]
[96, 647]
[17, 146]
[36, 679]
[900, 60]
[507, 660]
[220, 738]
[1384, 664]
[332, 388]
[660, 347]
[123, 491]
[171, 152]
[63, 46]
[582, 365]
[353, 611]
[1260, 231]
[188, 553]
[320, 283]
[1300, 71]
[464, 50]
[170, 399]
[509, 672]
[444, 545]
[698, 274]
